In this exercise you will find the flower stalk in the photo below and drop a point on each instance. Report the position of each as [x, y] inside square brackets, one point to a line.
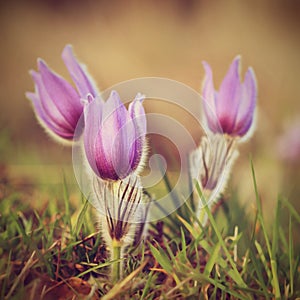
[117, 262]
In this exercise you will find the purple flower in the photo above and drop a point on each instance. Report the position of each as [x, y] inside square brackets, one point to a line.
[288, 143]
[230, 111]
[114, 137]
[57, 104]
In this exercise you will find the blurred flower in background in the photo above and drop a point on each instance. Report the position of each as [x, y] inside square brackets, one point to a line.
[287, 151]
[288, 143]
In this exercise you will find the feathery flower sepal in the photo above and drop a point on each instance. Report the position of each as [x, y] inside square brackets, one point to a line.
[210, 165]
[123, 212]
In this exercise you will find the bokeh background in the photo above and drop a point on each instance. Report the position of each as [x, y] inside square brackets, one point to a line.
[122, 40]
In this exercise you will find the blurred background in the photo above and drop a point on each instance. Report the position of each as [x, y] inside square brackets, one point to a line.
[122, 40]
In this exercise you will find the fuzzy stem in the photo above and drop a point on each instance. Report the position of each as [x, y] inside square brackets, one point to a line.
[116, 265]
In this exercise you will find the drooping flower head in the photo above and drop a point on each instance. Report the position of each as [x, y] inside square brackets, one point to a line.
[231, 109]
[57, 104]
[114, 137]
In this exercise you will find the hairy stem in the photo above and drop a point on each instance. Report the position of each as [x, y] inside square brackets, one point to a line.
[116, 257]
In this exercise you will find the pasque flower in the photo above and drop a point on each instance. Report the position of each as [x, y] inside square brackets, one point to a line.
[114, 137]
[114, 143]
[229, 114]
[231, 109]
[56, 102]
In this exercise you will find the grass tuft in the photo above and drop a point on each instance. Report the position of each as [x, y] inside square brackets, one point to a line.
[55, 250]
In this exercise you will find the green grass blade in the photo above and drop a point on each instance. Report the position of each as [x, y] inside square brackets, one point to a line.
[275, 281]
[176, 201]
[183, 253]
[237, 277]
[292, 210]
[276, 226]
[258, 269]
[80, 219]
[7, 275]
[147, 286]
[191, 229]
[95, 268]
[195, 275]
[291, 257]
[209, 249]
[213, 259]
[283, 239]
[162, 258]
[66, 198]
[263, 260]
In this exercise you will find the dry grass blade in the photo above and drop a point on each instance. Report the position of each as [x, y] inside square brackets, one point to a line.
[27, 266]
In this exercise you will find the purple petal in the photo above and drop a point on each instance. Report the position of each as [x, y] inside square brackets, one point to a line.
[137, 114]
[247, 103]
[138, 117]
[79, 74]
[93, 119]
[209, 96]
[62, 94]
[228, 99]
[48, 111]
[115, 140]
[45, 121]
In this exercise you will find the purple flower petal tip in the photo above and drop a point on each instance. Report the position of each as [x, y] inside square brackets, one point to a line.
[140, 97]
[207, 68]
[79, 74]
[114, 94]
[237, 59]
[42, 65]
